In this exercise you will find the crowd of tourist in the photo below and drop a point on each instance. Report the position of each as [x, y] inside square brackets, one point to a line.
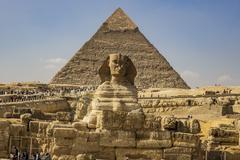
[18, 155]
[18, 95]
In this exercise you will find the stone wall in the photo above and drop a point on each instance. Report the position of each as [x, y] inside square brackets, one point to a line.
[223, 135]
[50, 106]
[184, 106]
[120, 135]
[118, 144]
[4, 138]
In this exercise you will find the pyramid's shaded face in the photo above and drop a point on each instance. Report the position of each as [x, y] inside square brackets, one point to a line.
[119, 34]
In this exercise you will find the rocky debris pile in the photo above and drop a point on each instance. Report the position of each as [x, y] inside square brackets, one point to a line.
[222, 136]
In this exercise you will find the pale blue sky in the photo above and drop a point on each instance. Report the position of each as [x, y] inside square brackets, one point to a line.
[200, 38]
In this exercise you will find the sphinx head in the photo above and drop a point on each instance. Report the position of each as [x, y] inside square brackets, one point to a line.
[117, 67]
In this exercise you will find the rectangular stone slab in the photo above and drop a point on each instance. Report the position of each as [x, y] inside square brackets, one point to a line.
[118, 139]
[143, 154]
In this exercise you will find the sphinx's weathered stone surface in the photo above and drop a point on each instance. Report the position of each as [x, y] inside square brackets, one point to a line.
[119, 35]
[115, 126]
[116, 94]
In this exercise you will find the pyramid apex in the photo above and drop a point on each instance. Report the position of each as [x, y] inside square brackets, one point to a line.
[119, 9]
[119, 21]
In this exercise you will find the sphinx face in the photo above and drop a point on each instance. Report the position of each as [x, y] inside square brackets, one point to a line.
[117, 64]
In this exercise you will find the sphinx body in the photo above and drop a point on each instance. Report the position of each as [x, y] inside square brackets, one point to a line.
[115, 97]
[117, 91]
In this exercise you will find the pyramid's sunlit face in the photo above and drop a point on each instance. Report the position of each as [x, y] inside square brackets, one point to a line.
[117, 65]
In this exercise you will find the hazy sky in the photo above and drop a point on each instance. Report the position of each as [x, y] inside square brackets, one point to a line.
[199, 38]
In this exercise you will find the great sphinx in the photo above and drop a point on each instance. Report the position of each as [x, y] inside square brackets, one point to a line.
[116, 92]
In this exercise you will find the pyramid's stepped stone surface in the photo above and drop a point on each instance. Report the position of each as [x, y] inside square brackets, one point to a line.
[120, 35]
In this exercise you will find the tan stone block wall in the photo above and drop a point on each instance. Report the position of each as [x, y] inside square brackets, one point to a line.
[51, 106]
[4, 137]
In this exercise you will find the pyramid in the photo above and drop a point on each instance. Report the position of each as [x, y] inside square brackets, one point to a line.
[119, 34]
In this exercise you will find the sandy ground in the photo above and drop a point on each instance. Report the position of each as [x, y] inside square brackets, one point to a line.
[166, 92]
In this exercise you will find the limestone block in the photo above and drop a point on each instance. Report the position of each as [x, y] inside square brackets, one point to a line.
[179, 150]
[154, 143]
[81, 126]
[232, 156]
[85, 157]
[65, 132]
[11, 115]
[61, 150]
[121, 120]
[156, 103]
[84, 147]
[118, 138]
[50, 116]
[4, 125]
[149, 110]
[161, 139]
[185, 140]
[3, 146]
[93, 137]
[37, 114]
[215, 155]
[86, 142]
[4, 154]
[219, 132]
[67, 157]
[224, 140]
[62, 141]
[143, 154]
[18, 130]
[4, 137]
[54, 125]
[42, 129]
[64, 116]
[24, 110]
[106, 153]
[152, 123]
[157, 135]
[177, 157]
[34, 126]
[55, 157]
[212, 145]
[87, 136]
[134, 120]
[111, 120]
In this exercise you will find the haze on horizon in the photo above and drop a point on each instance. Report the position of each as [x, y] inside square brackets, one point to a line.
[200, 39]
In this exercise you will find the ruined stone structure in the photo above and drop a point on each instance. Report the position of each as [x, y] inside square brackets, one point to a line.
[114, 119]
[114, 127]
[120, 35]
